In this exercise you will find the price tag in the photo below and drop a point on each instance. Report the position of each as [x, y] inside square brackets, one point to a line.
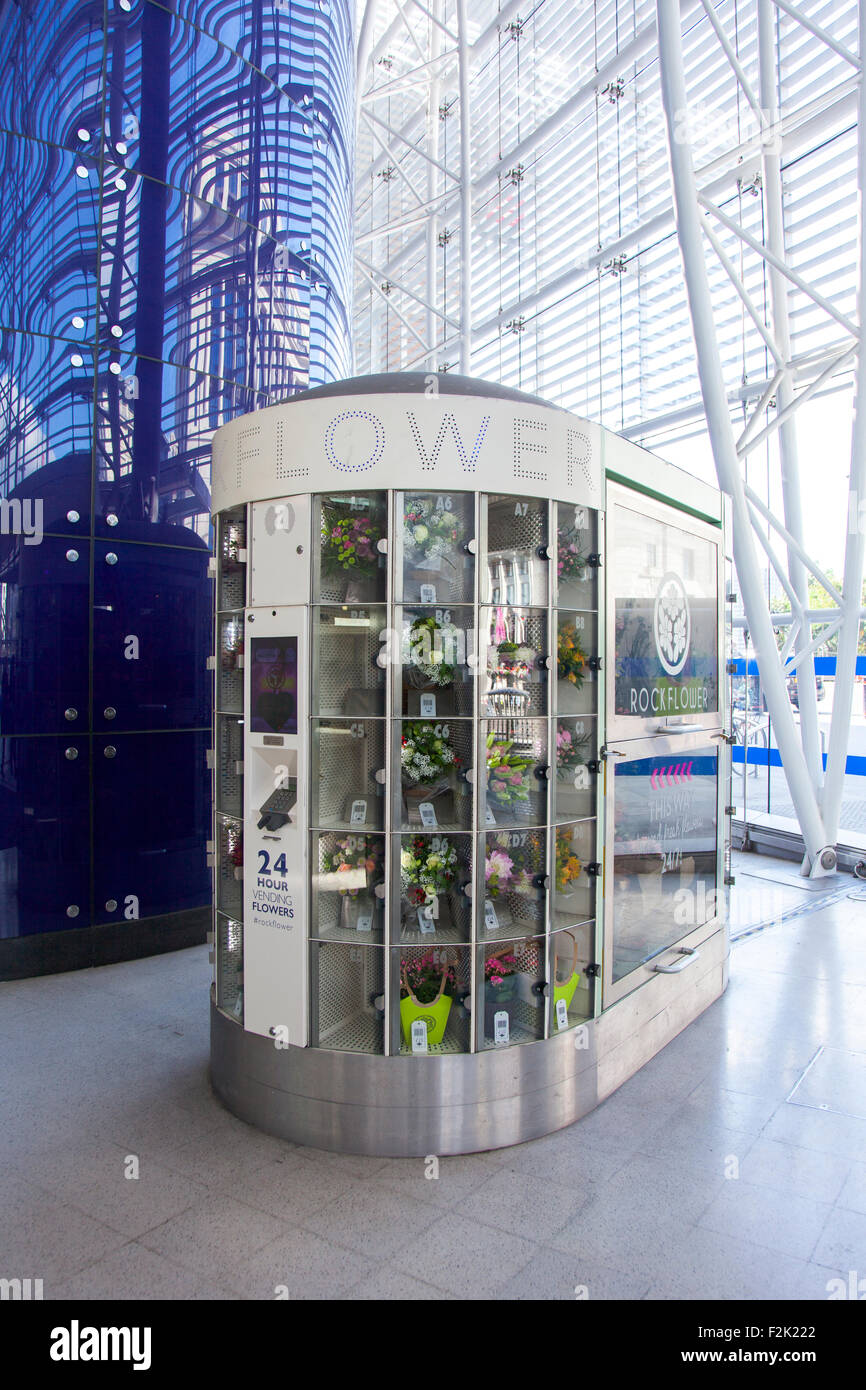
[500, 1027]
[428, 593]
[419, 1036]
[489, 818]
[561, 1014]
[428, 706]
[359, 813]
[581, 778]
[427, 813]
[365, 920]
[581, 520]
[491, 921]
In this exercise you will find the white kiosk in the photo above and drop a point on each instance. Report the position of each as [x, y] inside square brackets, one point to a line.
[471, 764]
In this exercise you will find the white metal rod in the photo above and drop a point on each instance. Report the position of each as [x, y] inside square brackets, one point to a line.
[465, 192]
[810, 734]
[783, 579]
[734, 61]
[795, 401]
[808, 652]
[393, 160]
[773, 260]
[435, 19]
[416, 149]
[819, 33]
[394, 310]
[855, 543]
[778, 356]
[404, 289]
[432, 249]
[673, 86]
[793, 544]
[751, 423]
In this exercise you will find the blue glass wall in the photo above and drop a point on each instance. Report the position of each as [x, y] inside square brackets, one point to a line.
[174, 250]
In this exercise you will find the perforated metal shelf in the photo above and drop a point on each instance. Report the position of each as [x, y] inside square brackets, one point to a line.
[362, 1032]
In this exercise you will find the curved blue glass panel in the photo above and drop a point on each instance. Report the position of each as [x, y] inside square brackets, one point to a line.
[175, 250]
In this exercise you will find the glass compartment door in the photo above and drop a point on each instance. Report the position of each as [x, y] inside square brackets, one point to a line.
[665, 866]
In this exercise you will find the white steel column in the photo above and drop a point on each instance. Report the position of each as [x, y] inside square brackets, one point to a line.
[787, 432]
[463, 53]
[821, 858]
[855, 545]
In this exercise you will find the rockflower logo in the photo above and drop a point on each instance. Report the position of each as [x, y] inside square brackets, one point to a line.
[672, 624]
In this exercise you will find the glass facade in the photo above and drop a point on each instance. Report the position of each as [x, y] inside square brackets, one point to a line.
[174, 251]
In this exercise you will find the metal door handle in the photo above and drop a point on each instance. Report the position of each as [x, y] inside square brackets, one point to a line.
[687, 954]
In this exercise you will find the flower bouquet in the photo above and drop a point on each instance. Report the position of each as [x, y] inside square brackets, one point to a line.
[571, 561]
[428, 867]
[431, 533]
[570, 656]
[567, 863]
[498, 871]
[349, 544]
[570, 751]
[426, 763]
[428, 984]
[430, 649]
[508, 777]
[352, 865]
[500, 987]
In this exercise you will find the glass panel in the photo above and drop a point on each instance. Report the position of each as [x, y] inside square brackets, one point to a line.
[515, 878]
[230, 663]
[348, 871]
[576, 541]
[434, 760]
[665, 814]
[437, 567]
[573, 884]
[347, 996]
[515, 685]
[346, 758]
[229, 879]
[230, 967]
[437, 645]
[515, 572]
[575, 785]
[435, 871]
[230, 765]
[514, 787]
[666, 583]
[349, 565]
[576, 681]
[432, 984]
[231, 554]
[347, 649]
[570, 953]
[511, 1003]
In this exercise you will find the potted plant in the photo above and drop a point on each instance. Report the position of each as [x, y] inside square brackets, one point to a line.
[500, 988]
[427, 986]
[566, 976]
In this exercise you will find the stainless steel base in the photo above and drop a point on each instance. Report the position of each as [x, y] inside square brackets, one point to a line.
[414, 1106]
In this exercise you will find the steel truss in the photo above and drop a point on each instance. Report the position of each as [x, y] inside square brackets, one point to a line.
[417, 57]
[816, 795]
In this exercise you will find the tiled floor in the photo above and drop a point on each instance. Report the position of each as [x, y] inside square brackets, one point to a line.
[732, 1166]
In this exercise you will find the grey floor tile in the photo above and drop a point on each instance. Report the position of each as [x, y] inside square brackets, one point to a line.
[554, 1276]
[372, 1220]
[818, 1129]
[842, 1244]
[710, 1265]
[527, 1206]
[297, 1265]
[135, 1273]
[778, 1221]
[450, 1181]
[387, 1285]
[789, 1168]
[465, 1257]
[733, 1109]
[136, 1205]
[636, 1239]
[293, 1188]
[208, 1236]
[42, 1238]
[853, 1194]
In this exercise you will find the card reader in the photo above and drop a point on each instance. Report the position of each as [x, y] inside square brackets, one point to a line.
[275, 811]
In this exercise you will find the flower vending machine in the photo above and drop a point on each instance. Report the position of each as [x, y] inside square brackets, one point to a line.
[450, 745]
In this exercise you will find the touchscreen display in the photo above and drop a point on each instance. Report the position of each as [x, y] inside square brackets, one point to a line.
[274, 685]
